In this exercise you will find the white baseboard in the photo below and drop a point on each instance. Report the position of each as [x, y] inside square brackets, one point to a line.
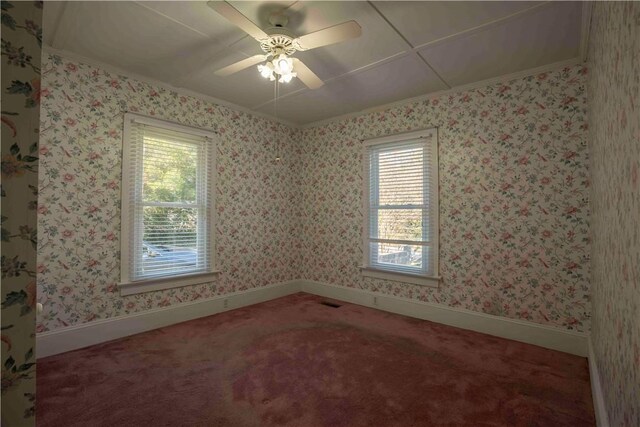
[599, 407]
[517, 330]
[86, 334]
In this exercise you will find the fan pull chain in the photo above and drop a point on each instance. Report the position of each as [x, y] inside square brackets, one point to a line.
[275, 105]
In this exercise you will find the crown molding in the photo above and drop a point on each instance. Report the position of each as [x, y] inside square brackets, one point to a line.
[487, 82]
[463, 88]
[182, 91]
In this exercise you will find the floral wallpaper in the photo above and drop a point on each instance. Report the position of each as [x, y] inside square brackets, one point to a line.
[514, 198]
[614, 99]
[79, 194]
[21, 41]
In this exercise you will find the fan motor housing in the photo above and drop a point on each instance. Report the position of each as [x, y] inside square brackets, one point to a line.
[277, 42]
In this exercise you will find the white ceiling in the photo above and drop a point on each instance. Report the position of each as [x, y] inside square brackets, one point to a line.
[407, 49]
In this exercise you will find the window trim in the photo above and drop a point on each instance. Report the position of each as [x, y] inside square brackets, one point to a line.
[128, 286]
[433, 279]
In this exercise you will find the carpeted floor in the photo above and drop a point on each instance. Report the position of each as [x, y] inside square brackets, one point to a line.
[296, 362]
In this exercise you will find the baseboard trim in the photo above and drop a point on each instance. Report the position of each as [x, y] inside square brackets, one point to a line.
[517, 330]
[599, 407]
[99, 331]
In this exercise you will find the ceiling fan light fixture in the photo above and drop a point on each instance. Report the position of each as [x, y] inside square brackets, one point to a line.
[279, 43]
[280, 67]
[284, 64]
[266, 71]
[286, 78]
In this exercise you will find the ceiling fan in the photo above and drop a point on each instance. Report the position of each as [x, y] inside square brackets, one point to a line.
[279, 44]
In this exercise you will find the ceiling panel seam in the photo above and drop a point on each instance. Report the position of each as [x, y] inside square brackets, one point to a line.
[177, 81]
[424, 60]
[358, 70]
[456, 89]
[157, 12]
[190, 73]
[485, 26]
[408, 43]
[414, 50]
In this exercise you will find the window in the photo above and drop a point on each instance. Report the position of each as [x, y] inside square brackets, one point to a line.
[401, 213]
[167, 205]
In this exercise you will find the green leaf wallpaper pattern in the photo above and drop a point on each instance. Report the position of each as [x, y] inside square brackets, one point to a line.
[21, 44]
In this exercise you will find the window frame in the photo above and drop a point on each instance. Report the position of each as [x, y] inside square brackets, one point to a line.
[128, 285]
[432, 278]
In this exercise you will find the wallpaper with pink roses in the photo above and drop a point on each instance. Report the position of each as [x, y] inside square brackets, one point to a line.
[79, 194]
[514, 198]
[515, 188]
[614, 117]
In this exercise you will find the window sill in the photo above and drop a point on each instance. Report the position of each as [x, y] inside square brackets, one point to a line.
[160, 283]
[430, 281]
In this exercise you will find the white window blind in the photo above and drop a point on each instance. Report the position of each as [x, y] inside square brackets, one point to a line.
[402, 211]
[167, 200]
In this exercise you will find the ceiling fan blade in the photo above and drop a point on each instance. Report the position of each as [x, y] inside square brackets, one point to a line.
[238, 19]
[307, 76]
[336, 34]
[240, 65]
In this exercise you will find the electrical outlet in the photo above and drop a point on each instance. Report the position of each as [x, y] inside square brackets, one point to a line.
[226, 303]
[375, 300]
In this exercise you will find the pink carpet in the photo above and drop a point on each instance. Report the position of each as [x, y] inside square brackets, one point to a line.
[296, 362]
